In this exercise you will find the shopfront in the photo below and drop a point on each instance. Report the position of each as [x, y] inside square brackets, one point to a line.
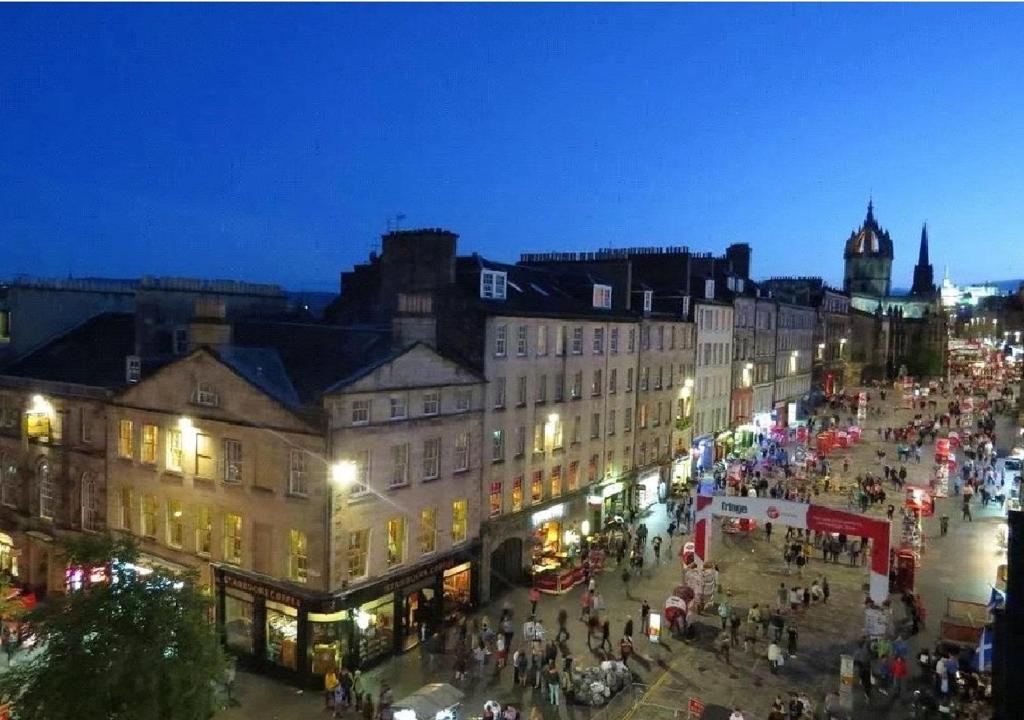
[8, 557]
[682, 468]
[704, 455]
[282, 630]
[648, 488]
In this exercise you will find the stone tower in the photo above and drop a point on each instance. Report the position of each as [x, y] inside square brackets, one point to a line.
[868, 257]
[924, 280]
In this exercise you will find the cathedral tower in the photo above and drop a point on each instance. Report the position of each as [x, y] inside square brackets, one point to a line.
[868, 257]
[924, 280]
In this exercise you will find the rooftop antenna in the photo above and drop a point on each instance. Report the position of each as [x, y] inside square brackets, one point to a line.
[394, 223]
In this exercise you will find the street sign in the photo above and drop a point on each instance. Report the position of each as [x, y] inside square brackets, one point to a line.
[654, 627]
[846, 682]
[695, 708]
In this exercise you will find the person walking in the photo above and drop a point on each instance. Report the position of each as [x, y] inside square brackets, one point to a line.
[606, 632]
[586, 605]
[943, 525]
[967, 508]
[656, 544]
[768, 531]
[518, 667]
[645, 617]
[625, 581]
[774, 657]
[899, 674]
[791, 636]
[534, 599]
[724, 612]
[554, 679]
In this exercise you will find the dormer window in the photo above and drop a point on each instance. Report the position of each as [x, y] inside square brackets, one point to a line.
[709, 289]
[206, 395]
[133, 368]
[602, 296]
[493, 284]
[648, 300]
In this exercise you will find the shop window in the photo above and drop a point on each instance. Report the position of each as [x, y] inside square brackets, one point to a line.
[574, 475]
[92, 518]
[175, 524]
[149, 516]
[238, 621]
[358, 546]
[457, 583]
[375, 628]
[175, 451]
[8, 556]
[328, 641]
[204, 531]
[556, 481]
[417, 611]
[495, 499]
[124, 439]
[460, 522]
[149, 440]
[428, 530]
[396, 534]
[127, 518]
[282, 633]
[233, 538]
[517, 493]
[298, 556]
[537, 487]
[204, 456]
[47, 490]
[298, 477]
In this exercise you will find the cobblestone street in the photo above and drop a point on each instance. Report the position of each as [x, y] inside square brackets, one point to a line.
[751, 570]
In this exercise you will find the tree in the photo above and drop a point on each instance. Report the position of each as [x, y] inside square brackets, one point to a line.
[138, 646]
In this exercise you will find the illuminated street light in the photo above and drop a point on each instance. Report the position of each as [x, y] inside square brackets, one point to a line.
[343, 473]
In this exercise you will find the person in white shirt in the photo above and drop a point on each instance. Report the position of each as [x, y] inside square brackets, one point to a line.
[737, 714]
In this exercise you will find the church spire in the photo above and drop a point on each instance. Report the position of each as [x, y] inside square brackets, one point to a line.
[923, 274]
[922, 255]
[871, 212]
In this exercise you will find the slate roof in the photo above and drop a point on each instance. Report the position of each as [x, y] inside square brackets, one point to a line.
[263, 368]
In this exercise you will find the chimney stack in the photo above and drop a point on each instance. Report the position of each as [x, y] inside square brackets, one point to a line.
[209, 324]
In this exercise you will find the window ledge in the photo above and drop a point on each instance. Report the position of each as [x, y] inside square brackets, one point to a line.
[262, 489]
[297, 496]
[459, 471]
[497, 461]
[398, 487]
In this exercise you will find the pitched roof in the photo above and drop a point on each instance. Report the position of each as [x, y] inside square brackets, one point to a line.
[263, 368]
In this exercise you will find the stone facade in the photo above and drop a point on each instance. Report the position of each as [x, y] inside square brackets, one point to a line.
[794, 353]
[713, 381]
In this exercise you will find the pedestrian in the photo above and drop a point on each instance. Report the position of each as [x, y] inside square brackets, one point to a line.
[944, 524]
[554, 684]
[899, 674]
[656, 544]
[645, 617]
[628, 628]
[330, 684]
[724, 612]
[518, 667]
[367, 706]
[734, 629]
[768, 531]
[625, 581]
[722, 644]
[791, 635]
[774, 657]
[534, 599]
[781, 596]
[586, 603]
[967, 508]
[606, 631]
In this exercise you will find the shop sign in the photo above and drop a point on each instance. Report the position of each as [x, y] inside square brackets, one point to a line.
[594, 499]
[260, 590]
[552, 513]
[654, 627]
[418, 576]
[614, 489]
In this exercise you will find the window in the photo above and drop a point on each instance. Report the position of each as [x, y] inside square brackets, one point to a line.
[627, 420]
[428, 530]
[521, 342]
[431, 458]
[9, 480]
[627, 457]
[84, 426]
[560, 340]
[175, 524]
[648, 300]
[576, 429]
[631, 345]
[298, 477]
[495, 499]
[500, 340]
[92, 518]
[629, 379]
[556, 435]
[499, 392]
[361, 483]
[399, 465]
[149, 439]
[602, 296]
[431, 402]
[577, 340]
[204, 456]
[521, 391]
[498, 445]
[204, 530]
[658, 378]
[542, 340]
[613, 380]
[537, 487]
[538, 437]
[149, 516]
[542, 388]
[556, 481]
[298, 556]
[645, 376]
[396, 541]
[517, 493]
[125, 439]
[127, 518]
[592, 468]
[399, 408]
[360, 412]
[180, 341]
[597, 384]
[595, 425]
[577, 385]
[657, 414]
[175, 452]
[204, 394]
[460, 521]
[599, 341]
[233, 538]
[609, 459]
[611, 422]
[461, 456]
[574, 475]
[493, 284]
[358, 547]
[613, 341]
[559, 387]
[463, 398]
[232, 461]
[641, 415]
[661, 337]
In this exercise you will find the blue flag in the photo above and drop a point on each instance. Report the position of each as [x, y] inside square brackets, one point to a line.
[983, 655]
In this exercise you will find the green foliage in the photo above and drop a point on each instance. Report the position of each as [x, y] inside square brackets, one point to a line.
[136, 648]
[924, 363]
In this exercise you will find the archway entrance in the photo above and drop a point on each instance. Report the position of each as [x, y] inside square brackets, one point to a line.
[506, 565]
[803, 516]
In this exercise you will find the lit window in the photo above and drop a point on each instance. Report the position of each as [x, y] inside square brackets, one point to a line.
[175, 452]
[459, 521]
[124, 439]
[204, 531]
[233, 538]
[538, 437]
[517, 493]
[495, 499]
[205, 465]
[298, 477]
[556, 481]
[298, 556]
[574, 475]
[47, 491]
[428, 530]
[175, 524]
[358, 547]
[537, 487]
[149, 439]
[396, 541]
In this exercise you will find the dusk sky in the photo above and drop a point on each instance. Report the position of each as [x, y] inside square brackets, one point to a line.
[272, 142]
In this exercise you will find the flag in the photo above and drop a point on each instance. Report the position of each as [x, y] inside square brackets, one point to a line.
[997, 599]
[983, 655]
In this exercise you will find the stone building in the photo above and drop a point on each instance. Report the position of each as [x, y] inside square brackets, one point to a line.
[713, 381]
[793, 360]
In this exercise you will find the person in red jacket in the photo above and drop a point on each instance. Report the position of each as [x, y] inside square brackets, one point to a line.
[899, 674]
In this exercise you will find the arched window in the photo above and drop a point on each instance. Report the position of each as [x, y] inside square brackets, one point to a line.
[90, 502]
[8, 481]
[46, 489]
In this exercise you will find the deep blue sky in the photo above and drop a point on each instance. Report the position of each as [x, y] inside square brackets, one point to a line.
[272, 142]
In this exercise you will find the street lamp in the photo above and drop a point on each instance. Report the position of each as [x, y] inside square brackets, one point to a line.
[343, 473]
